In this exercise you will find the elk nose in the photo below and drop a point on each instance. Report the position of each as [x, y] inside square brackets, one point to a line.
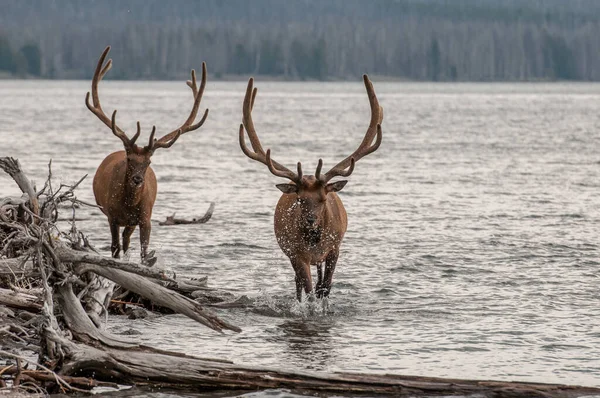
[137, 180]
[311, 220]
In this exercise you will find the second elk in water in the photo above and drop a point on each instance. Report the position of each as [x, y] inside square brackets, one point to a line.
[125, 184]
[310, 219]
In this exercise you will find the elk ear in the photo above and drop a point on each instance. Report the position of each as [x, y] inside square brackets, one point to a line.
[336, 186]
[287, 188]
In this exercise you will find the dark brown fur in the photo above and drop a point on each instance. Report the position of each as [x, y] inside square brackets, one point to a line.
[125, 203]
[309, 227]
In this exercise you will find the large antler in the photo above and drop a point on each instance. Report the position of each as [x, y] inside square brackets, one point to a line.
[96, 108]
[167, 140]
[346, 166]
[187, 126]
[258, 152]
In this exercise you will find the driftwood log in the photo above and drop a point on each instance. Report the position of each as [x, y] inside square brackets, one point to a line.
[47, 277]
[171, 220]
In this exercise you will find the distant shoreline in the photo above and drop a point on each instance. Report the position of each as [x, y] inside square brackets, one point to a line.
[271, 78]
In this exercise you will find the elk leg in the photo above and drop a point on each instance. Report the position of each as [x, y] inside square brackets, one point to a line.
[303, 279]
[115, 246]
[330, 262]
[145, 229]
[299, 286]
[127, 231]
[319, 276]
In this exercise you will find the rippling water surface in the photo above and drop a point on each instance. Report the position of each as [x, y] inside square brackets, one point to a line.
[472, 245]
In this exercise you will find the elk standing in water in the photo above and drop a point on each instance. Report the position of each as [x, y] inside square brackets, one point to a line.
[310, 219]
[125, 184]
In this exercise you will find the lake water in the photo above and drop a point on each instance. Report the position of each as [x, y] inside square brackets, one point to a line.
[472, 246]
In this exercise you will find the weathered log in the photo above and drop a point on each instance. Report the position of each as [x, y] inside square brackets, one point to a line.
[80, 324]
[42, 375]
[6, 312]
[171, 220]
[159, 295]
[17, 267]
[145, 366]
[191, 285]
[22, 374]
[23, 301]
[183, 286]
[73, 256]
[107, 268]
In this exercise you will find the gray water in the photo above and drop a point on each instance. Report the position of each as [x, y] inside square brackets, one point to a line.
[472, 245]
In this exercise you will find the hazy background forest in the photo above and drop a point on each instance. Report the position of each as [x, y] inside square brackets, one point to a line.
[446, 40]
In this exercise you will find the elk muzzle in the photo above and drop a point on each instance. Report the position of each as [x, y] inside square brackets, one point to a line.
[137, 180]
[311, 227]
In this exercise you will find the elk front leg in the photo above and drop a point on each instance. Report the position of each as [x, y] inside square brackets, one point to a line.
[127, 231]
[319, 276]
[115, 246]
[330, 262]
[303, 278]
[145, 229]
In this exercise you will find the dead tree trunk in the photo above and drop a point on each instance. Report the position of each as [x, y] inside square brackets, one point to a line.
[171, 220]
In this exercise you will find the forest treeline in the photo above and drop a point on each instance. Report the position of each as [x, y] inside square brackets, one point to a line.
[439, 40]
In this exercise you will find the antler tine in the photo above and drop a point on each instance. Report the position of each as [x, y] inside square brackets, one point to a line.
[281, 173]
[299, 175]
[106, 68]
[258, 152]
[113, 125]
[247, 117]
[151, 140]
[349, 170]
[334, 172]
[152, 133]
[200, 123]
[169, 139]
[192, 83]
[373, 132]
[137, 134]
[168, 144]
[254, 92]
[319, 167]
